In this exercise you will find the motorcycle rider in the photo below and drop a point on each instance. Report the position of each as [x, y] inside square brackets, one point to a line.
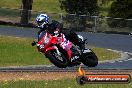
[56, 27]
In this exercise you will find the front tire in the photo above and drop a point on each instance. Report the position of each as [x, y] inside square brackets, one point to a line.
[90, 59]
[57, 60]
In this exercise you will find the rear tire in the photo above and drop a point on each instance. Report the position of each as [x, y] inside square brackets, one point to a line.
[52, 56]
[90, 59]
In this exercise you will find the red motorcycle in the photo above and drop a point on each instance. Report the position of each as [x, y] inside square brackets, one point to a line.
[62, 53]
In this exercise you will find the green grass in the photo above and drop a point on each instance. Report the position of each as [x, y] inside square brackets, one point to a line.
[49, 6]
[18, 51]
[10, 3]
[65, 83]
[13, 16]
[13, 13]
[104, 54]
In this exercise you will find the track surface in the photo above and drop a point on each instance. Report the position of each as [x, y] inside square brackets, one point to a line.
[112, 41]
[51, 68]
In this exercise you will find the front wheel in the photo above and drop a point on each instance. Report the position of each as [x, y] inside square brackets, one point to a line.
[58, 60]
[90, 59]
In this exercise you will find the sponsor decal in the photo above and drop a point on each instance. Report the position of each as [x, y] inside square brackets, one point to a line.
[74, 58]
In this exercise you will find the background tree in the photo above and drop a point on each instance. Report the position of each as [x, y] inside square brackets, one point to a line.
[120, 9]
[26, 12]
[79, 7]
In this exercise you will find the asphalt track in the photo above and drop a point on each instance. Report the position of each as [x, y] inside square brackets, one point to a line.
[117, 42]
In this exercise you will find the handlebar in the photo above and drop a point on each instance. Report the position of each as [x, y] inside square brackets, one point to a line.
[34, 43]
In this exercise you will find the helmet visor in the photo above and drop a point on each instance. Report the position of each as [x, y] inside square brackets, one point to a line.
[40, 23]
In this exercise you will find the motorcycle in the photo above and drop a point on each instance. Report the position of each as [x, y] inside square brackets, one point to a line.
[62, 52]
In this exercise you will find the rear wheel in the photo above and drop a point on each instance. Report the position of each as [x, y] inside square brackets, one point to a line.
[58, 60]
[90, 59]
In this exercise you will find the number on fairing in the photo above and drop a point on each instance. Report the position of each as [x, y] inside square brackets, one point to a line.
[64, 44]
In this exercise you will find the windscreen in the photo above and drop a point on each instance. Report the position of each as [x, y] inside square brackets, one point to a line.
[41, 34]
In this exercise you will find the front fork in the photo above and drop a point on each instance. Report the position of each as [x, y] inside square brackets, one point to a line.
[57, 50]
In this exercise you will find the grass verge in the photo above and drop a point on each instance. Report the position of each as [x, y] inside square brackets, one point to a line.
[104, 54]
[18, 51]
[39, 5]
[65, 83]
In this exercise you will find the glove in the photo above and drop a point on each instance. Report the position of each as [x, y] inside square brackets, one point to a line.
[33, 43]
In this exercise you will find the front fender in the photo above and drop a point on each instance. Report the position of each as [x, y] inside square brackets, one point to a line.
[50, 48]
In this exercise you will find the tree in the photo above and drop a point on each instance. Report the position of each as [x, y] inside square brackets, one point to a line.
[26, 11]
[79, 6]
[120, 9]
[82, 8]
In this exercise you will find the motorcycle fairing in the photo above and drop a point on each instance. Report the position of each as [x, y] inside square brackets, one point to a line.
[66, 45]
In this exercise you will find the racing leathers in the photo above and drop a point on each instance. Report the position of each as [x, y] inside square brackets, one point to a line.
[56, 27]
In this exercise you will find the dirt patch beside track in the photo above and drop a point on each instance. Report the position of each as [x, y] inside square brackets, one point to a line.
[9, 76]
